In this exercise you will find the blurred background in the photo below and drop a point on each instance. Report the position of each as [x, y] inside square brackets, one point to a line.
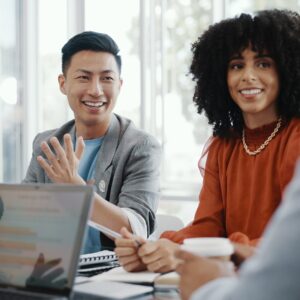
[155, 38]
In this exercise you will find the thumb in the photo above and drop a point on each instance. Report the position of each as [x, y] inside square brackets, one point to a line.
[79, 147]
[126, 233]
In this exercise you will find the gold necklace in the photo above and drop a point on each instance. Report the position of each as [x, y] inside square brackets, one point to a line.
[265, 143]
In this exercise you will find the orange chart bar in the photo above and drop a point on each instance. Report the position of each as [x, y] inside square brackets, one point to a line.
[9, 259]
[17, 245]
[17, 231]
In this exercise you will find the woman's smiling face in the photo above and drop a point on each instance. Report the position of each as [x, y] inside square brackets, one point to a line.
[253, 84]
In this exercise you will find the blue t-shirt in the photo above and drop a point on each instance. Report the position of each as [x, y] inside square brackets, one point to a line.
[86, 170]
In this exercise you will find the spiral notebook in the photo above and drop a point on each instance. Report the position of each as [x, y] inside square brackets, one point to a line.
[93, 263]
[103, 256]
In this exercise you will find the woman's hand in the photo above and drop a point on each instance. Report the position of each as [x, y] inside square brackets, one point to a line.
[158, 255]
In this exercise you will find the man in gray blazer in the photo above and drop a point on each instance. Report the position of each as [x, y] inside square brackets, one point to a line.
[99, 147]
[271, 274]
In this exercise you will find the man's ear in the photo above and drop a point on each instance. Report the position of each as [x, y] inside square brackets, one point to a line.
[61, 82]
[121, 82]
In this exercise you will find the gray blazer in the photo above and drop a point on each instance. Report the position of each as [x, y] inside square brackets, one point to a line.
[274, 272]
[127, 168]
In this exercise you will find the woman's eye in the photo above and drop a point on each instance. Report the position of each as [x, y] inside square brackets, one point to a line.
[235, 66]
[264, 64]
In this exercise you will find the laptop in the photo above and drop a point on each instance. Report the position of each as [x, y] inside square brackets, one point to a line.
[42, 227]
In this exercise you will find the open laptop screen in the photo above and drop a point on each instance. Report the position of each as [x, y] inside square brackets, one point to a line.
[41, 232]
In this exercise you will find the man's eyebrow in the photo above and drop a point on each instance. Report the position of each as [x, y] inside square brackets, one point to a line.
[89, 72]
[83, 71]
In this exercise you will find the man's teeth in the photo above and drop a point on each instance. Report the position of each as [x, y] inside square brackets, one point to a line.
[94, 104]
[251, 92]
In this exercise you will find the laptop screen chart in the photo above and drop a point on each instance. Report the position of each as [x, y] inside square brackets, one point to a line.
[38, 231]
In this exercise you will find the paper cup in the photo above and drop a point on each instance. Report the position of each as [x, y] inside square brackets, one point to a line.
[219, 248]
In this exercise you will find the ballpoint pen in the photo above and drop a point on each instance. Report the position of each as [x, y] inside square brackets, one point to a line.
[109, 232]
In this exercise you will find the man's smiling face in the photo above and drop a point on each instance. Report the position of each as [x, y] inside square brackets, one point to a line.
[92, 84]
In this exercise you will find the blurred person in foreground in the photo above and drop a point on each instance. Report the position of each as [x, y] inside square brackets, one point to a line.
[271, 274]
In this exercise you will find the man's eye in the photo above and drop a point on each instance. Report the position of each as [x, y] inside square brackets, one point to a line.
[83, 77]
[108, 78]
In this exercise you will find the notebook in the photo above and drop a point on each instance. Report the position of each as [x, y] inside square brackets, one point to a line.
[114, 290]
[41, 231]
[97, 258]
[160, 281]
[93, 263]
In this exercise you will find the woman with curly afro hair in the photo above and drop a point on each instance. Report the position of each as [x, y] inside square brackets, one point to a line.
[247, 75]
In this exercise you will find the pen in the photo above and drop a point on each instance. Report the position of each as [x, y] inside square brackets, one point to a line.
[109, 231]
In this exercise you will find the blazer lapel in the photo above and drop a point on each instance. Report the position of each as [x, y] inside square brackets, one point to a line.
[104, 167]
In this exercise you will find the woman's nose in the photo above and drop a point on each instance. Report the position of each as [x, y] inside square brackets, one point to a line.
[249, 74]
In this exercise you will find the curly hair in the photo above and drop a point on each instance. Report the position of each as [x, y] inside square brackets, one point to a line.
[274, 31]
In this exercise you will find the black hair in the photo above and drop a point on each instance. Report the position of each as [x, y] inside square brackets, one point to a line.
[274, 31]
[89, 40]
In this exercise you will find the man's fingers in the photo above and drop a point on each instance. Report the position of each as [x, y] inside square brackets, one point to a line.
[47, 168]
[51, 157]
[69, 148]
[125, 233]
[124, 243]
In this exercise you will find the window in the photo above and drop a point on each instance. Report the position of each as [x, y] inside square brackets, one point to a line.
[51, 37]
[123, 28]
[10, 103]
[155, 38]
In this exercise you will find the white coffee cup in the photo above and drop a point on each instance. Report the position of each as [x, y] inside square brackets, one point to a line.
[220, 248]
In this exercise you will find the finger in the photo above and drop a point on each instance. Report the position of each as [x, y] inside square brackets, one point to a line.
[60, 152]
[51, 157]
[126, 233]
[124, 260]
[69, 148]
[125, 245]
[134, 267]
[148, 248]
[125, 251]
[79, 147]
[155, 266]
[40, 269]
[152, 257]
[41, 259]
[46, 167]
[185, 255]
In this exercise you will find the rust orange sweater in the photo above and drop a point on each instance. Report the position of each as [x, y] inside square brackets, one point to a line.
[241, 192]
